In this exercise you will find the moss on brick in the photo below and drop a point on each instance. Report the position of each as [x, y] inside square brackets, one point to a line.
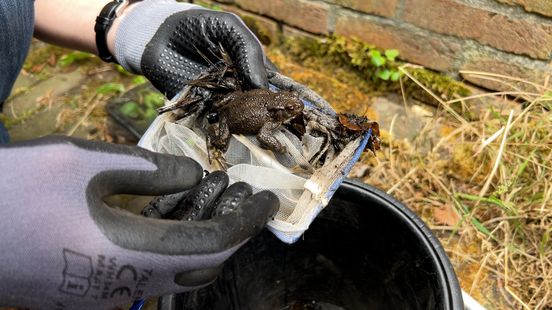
[262, 33]
[208, 5]
[337, 53]
[443, 86]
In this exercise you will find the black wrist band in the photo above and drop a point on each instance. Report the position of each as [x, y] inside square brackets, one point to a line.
[103, 23]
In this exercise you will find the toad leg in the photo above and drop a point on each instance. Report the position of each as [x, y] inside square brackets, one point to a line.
[267, 139]
[219, 135]
[225, 100]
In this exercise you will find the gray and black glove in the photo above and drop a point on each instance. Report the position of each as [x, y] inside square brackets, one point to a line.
[168, 42]
[62, 247]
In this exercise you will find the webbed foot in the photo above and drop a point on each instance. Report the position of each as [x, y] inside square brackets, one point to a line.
[267, 139]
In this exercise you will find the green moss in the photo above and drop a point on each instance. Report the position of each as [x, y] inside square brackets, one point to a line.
[364, 59]
[443, 85]
[45, 60]
[208, 5]
[262, 33]
[335, 53]
[41, 54]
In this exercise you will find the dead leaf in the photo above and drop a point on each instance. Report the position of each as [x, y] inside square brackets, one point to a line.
[446, 215]
[38, 68]
[52, 60]
[47, 99]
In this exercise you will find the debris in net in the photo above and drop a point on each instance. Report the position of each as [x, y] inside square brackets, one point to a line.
[285, 83]
[222, 107]
[285, 139]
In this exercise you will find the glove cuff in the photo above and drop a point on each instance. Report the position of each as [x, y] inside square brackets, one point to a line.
[137, 28]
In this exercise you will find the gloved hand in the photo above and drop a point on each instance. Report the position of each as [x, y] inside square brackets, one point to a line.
[62, 247]
[167, 42]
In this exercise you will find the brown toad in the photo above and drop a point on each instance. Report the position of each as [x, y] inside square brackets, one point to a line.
[258, 111]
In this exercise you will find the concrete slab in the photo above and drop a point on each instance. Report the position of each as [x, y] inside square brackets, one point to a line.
[55, 86]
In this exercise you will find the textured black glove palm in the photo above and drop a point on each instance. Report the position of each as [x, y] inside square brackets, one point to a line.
[176, 54]
[64, 248]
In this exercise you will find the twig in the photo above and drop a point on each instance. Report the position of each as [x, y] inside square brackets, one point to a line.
[403, 179]
[498, 158]
[481, 73]
[505, 218]
[478, 274]
[445, 139]
[12, 110]
[439, 182]
[516, 297]
[525, 111]
[489, 140]
[85, 116]
[444, 228]
[403, 94]
[506, 263]
[495, 94]
[443, 103]
[530, 160]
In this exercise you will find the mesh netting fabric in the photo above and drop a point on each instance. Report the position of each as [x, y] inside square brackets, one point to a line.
[286, 175]
[303, 188]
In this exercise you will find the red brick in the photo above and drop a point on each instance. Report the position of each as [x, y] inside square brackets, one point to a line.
[307, 15]
[265, 29]
[428, 51]
[543, 7]
[294, 32]
[510, 34]
[378, 7]
[504, 67]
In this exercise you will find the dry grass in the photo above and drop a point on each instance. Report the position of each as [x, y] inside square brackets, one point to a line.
[485, 187]
[480, 177]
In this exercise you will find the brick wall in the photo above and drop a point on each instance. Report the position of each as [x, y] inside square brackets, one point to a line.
[512, 37]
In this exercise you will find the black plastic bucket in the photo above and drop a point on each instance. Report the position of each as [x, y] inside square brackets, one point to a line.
[366, 250]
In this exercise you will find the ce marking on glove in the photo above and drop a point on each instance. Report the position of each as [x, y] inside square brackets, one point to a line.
[105, 279]
[130, 273]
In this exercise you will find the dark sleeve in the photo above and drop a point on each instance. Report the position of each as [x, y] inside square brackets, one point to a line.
[16, 32]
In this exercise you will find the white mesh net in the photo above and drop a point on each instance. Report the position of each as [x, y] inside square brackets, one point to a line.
[303, 190]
